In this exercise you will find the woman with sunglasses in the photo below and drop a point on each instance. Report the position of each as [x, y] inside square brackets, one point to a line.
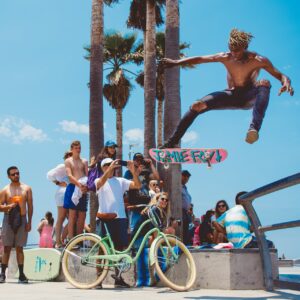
[160, 209]
[153, 188]
[220, 209]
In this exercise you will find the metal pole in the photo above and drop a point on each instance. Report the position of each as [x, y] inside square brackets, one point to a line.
[262, 244]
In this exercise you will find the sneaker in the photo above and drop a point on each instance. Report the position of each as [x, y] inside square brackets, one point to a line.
[2, 278]
[23, 279]
[252, 136]
[119, 282]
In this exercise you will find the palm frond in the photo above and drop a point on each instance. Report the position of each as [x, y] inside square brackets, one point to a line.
[118, 94]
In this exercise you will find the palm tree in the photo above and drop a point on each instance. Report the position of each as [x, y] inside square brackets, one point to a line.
[160, 78]
[150, 79]
[144, 14]
[118, 51]
[96, 133]
[172, 102]
[96, 75]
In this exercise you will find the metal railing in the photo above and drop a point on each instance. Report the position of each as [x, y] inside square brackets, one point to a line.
[246, 200]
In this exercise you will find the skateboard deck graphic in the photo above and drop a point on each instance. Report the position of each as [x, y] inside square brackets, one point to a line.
[41, 264]
[188, 155]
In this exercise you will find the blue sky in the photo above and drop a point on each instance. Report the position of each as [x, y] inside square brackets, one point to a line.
[44, 99]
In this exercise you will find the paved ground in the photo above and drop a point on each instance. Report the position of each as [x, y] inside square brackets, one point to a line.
[63, 291]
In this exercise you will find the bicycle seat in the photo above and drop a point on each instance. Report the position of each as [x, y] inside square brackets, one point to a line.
[106, 216]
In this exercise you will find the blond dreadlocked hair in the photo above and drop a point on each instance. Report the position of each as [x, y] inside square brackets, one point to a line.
[239, 39]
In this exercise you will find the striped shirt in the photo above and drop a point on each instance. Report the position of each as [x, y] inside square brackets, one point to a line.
[237, 226]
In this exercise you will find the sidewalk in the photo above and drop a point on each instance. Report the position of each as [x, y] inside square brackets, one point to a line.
[64, 291]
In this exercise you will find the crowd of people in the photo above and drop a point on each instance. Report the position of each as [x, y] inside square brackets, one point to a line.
[76, 181]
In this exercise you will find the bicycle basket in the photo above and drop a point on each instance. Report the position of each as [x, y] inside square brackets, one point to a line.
[154, 216]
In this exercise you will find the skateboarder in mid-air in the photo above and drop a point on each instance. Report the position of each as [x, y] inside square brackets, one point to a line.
[244, 90]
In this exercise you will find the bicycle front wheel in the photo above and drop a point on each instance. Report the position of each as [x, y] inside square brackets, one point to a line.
[81, 264]
[174, 265]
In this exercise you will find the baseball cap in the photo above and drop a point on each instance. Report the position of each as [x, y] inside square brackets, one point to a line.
[110, 143]
[186, 173]
[105, 161]
[138, 155]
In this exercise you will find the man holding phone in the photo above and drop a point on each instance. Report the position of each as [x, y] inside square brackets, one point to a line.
[110, 191]
[147, 172]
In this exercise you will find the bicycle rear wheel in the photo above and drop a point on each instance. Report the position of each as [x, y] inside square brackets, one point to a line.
[80, 264]
[177, 271]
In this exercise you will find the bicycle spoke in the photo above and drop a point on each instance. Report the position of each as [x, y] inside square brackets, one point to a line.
[81, 261]
[174, 264]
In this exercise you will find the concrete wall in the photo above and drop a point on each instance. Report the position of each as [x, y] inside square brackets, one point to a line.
[234, 269]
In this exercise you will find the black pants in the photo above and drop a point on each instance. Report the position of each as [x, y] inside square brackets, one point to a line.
[256, 97]
[185, 227]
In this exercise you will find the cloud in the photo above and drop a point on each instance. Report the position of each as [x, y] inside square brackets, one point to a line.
[74, 127]
[190, 137]
[18, 130]
[286, 67]
[291, 102]
[134, 136]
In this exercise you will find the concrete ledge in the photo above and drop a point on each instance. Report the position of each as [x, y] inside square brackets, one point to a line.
[228, 269]
[231, 269]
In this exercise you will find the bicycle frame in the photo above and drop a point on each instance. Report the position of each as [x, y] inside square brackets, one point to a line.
[114, 256]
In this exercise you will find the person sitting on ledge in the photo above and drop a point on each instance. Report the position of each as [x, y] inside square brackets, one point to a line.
[235, 223]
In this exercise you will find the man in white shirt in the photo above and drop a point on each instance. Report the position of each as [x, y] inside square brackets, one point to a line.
[110, 191]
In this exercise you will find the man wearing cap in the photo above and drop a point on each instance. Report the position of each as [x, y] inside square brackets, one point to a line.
[186, 205]
[110, 191]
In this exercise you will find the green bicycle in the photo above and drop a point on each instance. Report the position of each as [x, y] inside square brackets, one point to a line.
[87, 258]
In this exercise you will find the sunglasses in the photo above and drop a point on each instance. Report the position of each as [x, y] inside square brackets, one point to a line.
[154, 184]
[106, 165]
[164, 199]
[14, 174]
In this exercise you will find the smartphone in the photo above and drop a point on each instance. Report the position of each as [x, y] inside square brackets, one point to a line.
[123, 163]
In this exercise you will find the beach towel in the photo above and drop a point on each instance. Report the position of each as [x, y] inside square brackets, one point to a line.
[77, 194]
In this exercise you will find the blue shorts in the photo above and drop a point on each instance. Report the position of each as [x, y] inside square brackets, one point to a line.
[118, 229]
[69, 204]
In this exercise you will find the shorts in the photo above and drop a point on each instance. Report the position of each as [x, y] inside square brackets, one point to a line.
[118, 229]
[59, 196]
[69, 204]
[11, 239]
[254, 243]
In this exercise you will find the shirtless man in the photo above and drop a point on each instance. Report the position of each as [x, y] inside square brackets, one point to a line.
[244, 91]
[13, 234]
[76, 192]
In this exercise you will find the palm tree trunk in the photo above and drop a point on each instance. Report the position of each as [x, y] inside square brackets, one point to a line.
[119, 129]
[150, 79]
[160, 106]
[96, 97]
[172, 109]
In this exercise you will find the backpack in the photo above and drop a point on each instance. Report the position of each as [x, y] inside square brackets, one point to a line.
[93, 174]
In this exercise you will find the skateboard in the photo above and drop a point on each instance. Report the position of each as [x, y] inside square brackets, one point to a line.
[188, 156]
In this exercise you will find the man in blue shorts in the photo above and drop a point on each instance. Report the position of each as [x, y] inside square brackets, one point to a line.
[110, 191]
[75, 200]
